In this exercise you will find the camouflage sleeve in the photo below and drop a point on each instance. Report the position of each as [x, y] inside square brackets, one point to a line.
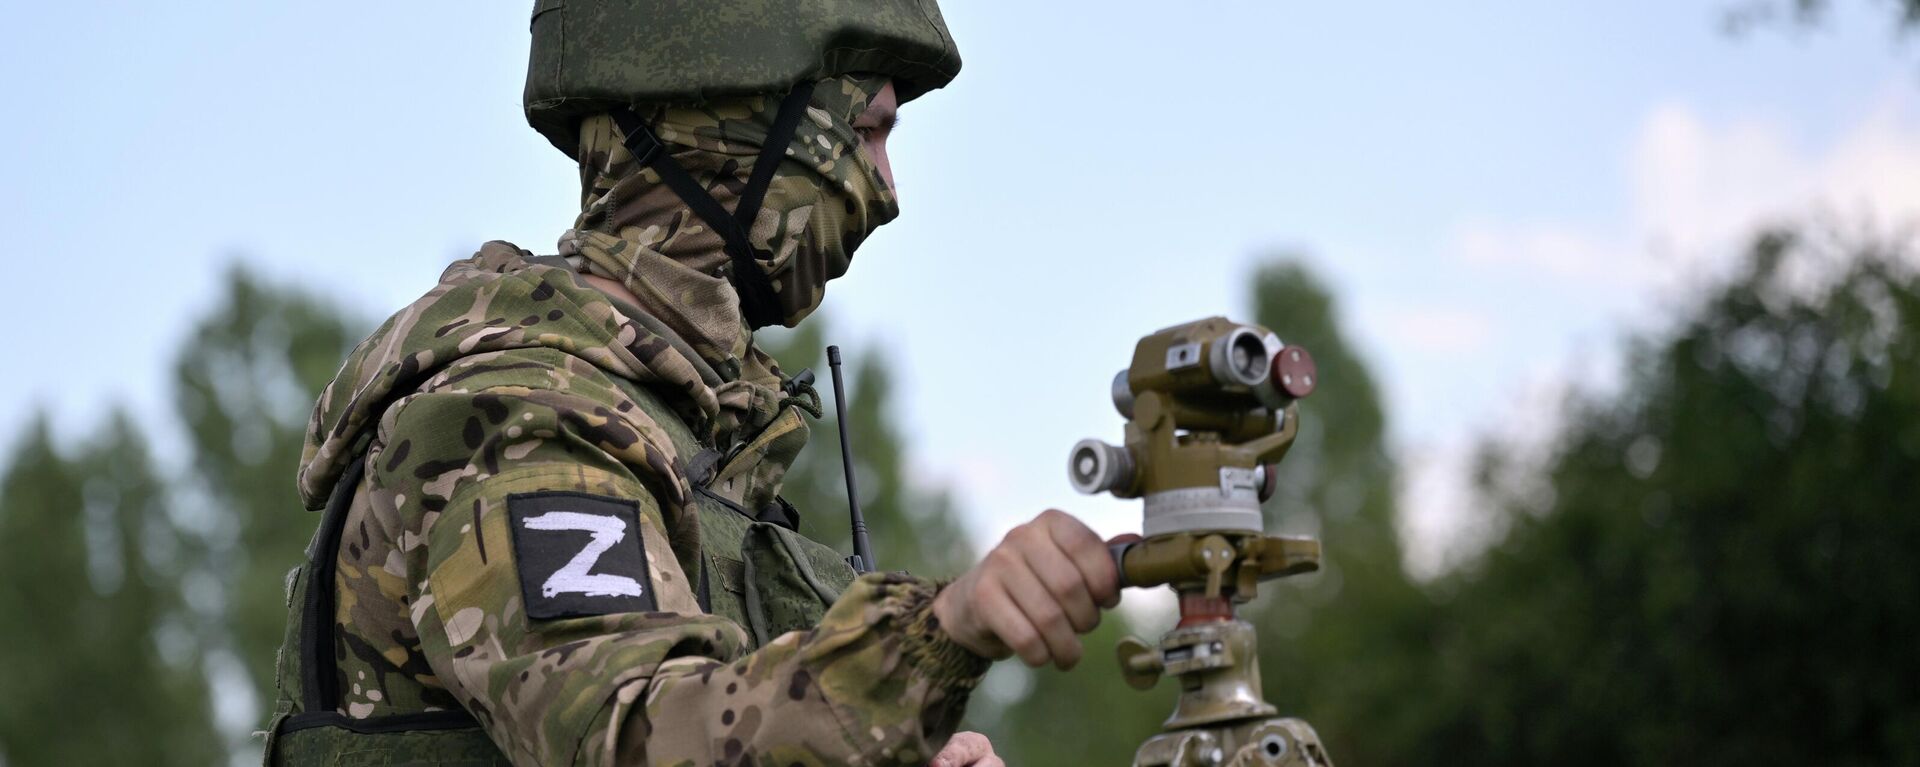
[875, 683]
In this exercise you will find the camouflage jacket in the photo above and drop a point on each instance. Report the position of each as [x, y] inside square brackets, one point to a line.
[512, 384]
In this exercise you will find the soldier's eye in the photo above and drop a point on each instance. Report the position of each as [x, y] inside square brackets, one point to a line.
[882, 129]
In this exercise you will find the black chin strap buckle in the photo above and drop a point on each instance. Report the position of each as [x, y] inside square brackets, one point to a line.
[637, 137]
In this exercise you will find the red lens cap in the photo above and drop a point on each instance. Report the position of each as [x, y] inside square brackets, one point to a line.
[1294, 372]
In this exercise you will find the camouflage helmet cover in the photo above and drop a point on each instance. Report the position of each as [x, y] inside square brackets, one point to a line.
[592, 55]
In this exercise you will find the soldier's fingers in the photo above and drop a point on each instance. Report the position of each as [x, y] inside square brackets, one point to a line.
[966, 623]
[1089, 554]
[1063, 579]
[964, 749]
[1009, 623]
[1044, 613]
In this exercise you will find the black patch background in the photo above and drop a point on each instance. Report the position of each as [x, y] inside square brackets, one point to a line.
[540, 553]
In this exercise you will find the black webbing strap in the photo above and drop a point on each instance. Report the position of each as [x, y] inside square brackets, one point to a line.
[319, 683]
[779, 135]
[757, 299]
[319, 669]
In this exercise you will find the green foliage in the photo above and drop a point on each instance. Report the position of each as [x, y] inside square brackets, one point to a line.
[98, 653]
[1715, 565]
[911, 523]
[1340, 647]
[244, 389]
[99, 551]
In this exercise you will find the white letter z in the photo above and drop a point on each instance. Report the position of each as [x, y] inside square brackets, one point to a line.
[575, 577]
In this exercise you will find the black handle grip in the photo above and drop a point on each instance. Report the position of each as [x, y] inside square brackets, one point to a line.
[1119, 552]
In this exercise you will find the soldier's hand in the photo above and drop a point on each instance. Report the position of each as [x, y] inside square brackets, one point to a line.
[1033, 594]
[967, 749]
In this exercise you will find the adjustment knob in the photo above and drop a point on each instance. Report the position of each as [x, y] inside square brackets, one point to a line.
[1122, 394]
[1140, 663]
[1097, 467]
[1294, 373]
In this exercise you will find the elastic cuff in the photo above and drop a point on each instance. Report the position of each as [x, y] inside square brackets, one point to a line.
[934, 653]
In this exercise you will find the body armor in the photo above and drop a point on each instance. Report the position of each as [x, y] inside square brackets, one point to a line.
[756, 570]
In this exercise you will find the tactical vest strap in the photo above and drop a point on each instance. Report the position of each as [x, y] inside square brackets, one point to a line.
[319, 670]
[703, 467]
[423, 721]
[365, 743]
[319, 678]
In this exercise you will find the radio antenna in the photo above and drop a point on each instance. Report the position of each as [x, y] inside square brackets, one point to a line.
[862, 559]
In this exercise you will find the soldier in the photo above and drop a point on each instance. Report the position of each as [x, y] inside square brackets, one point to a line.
[553, 531]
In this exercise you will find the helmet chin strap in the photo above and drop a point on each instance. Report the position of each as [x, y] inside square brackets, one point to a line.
[758, 301]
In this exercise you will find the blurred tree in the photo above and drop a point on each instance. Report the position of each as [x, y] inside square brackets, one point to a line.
[246, 384]
[98, 654]
[1715, 565]
[911, 522]
[1341, 647]
[1749, 14]
[1334, 646]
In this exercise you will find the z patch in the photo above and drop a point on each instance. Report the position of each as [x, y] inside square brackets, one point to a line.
[579, 554]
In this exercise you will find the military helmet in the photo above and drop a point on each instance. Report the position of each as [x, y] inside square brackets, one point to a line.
[590, 56]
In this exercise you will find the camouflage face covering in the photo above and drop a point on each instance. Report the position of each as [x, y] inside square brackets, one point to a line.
[823, 201]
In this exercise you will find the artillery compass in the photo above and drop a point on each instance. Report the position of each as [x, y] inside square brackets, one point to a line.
[1210, 409]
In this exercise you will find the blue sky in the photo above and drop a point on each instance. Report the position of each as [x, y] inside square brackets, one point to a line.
[1498, 190]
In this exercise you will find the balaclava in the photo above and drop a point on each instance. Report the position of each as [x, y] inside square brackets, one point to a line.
[822, 201]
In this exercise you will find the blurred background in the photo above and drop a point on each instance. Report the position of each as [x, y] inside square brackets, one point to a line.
[1616, 307]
